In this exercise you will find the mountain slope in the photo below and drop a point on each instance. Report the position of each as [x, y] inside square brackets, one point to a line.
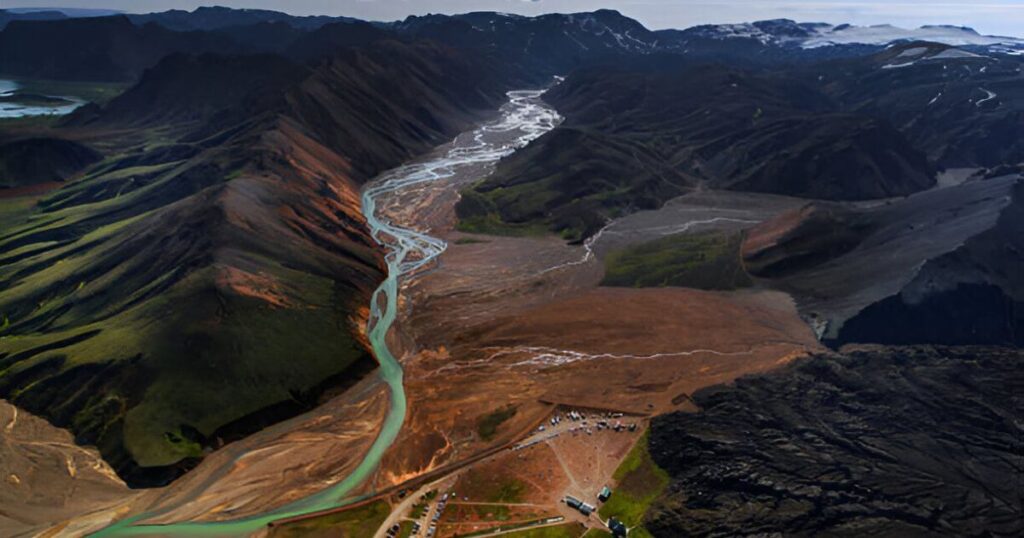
[98, 48]
[971, 295]
[541, 46]
[963, 109]
[570, 182]
[219, 17]
[189, 291]
[184, 88]
[27, 161]
[942, 266]
[719, 127]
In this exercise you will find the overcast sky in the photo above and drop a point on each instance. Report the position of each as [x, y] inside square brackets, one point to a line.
[1003, 17]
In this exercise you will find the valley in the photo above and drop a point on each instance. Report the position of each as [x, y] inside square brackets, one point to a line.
[450, 276]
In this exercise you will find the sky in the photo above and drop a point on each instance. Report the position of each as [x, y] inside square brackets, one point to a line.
[999, 17]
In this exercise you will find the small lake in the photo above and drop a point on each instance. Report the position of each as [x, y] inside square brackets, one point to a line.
[16, 103]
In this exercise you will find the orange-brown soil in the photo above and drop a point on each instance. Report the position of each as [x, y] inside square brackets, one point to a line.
[494, 325]
[520, 321]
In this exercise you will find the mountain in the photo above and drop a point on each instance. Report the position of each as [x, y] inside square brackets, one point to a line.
[219, 17]
[188, 88]
[49, 14]
[97, 48]
[789, 33]
[119, 50]
[911, 441]
[263, 37]
[327, 40]
[545, 45]
[828, 156]
[214, 270]
[27, 161]
[964, 109]
[684, 125]
[7, 16]
[973, 294]
[942, 266]
[570, 182]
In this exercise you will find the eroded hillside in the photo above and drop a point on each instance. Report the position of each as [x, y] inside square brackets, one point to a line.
[213, 277]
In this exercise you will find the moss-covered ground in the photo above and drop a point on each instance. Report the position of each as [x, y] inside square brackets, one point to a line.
[360, 522]
[703, 261]
[569, 530]
[97, 92]
[487, 426]
[639, 481]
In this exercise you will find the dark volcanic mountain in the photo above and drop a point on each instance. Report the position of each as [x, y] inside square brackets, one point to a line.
[27, 161]
[964, 109]
[6, 16]
[98, 48]
[189, 88]
[873, 442]
[545, 45]
[714, 126]
[218, 17]
[331, 38]
[213, 272]
[116, 49]
[943, 266]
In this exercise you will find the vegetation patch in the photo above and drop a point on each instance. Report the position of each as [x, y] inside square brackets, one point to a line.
[487, 426]
[491, 487]
[705, 261]
[639, 482]
[569, 530]
[15, 210]
[569, 182]
[96, 92]
[359, 522]
[38, 121]
[509, 491]
[491, 224]
[418, 510]
[491, 512]
[469, 241]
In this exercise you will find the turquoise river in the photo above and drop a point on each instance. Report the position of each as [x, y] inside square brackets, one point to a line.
[523, 118]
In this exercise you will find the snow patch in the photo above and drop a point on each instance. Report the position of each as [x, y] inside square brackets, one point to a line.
[886, 34]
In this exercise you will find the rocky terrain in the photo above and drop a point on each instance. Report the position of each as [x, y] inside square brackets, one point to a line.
[912, 441]
[940, 267]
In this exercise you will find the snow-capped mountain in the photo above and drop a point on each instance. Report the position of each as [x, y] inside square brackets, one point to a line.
[814, 35]
[885, 34]
[770, 32]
